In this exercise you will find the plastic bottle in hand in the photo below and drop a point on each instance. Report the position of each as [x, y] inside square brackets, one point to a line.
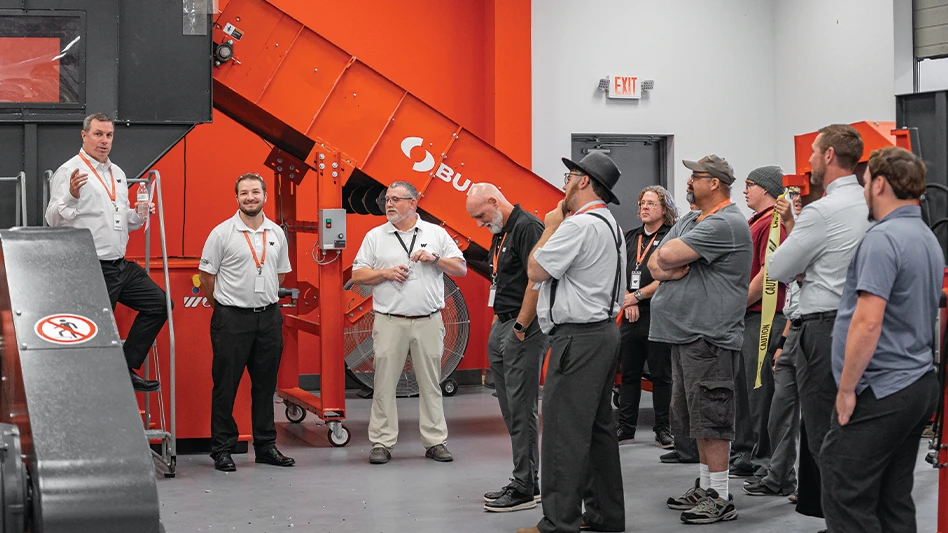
[142, 206]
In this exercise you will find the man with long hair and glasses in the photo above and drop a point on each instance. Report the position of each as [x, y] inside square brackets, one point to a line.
[658, 214]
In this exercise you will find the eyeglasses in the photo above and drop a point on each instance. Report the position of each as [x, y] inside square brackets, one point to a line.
[748, 184]
[649, 204]
[393, 199]
[567, 176]
[699, 176]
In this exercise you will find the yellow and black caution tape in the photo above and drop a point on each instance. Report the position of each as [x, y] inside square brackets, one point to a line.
[769, 300]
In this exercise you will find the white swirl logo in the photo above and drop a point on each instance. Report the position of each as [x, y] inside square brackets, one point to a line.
[420, 166]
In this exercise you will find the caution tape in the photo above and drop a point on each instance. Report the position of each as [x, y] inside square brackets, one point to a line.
[769, 300]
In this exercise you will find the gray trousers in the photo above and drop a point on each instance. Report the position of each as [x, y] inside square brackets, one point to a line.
[580, 451]
[516, 368]
[751, 447]
[784, 424]
[868, 465]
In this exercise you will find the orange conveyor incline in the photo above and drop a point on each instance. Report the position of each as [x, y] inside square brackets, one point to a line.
[334, 119]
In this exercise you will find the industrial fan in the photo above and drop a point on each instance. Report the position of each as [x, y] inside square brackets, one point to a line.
[360, 362]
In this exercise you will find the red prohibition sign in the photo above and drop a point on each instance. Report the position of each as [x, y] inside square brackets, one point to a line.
[66, 329]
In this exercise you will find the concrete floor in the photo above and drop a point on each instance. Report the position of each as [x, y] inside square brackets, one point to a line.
[337, 490]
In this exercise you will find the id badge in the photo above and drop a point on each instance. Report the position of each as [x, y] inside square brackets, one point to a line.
[490, 297]
[117, 221]
[635, 280]
[412, 271]
[258, 285]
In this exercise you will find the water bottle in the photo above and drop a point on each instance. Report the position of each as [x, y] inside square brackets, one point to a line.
[142, 206]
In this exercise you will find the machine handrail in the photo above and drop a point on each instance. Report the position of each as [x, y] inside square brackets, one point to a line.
[20, 197]
[154, 176]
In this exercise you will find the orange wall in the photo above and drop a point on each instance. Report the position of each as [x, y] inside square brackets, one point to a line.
[469, 60]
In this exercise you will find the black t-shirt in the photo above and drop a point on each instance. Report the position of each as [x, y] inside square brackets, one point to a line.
[635, 249]
[522, 232]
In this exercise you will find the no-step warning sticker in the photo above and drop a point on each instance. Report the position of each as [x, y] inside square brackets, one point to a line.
[66, 329]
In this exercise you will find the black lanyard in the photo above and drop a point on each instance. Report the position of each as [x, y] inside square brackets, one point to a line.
[407, 249]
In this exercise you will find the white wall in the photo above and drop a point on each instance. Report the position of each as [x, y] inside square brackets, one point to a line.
[933, 75]
[712, 63]
[835, 63]
[738, 78]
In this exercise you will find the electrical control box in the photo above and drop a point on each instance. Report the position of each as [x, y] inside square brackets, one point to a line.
[332, 229]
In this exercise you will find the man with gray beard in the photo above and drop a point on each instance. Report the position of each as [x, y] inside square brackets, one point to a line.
[516, 344]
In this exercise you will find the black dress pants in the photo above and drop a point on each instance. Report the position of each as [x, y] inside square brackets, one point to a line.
[129, 285]
[243, 339]
[634, 350]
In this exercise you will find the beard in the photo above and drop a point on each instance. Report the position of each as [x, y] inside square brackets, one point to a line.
[251, 211]
[395, 217]
[690, 196]
[871, 217]
[817, 175]
[496, 225]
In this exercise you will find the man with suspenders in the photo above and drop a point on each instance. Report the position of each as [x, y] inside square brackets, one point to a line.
[580, 260]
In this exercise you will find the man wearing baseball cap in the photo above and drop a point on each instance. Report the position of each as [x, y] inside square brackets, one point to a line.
[580, 260]
[751, 449]
[706, 255]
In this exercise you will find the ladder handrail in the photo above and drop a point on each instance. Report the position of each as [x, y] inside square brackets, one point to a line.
[155, 176]
[47, 177]
[20, 218]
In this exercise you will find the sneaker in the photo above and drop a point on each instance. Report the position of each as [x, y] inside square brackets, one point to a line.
[625, 435]
[491, 496]
[664, 438]
[440, 453]
[670, 457]
[689, 499]
[758, 488]
[709, 510]
[379, 455]
[735, 473]
[511, 500]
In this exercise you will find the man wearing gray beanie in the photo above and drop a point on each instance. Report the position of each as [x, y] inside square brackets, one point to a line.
[751, 449]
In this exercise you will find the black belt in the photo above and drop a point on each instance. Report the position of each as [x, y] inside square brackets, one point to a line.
[825, 315]
[112, 262]
[507, 316]
[408, 317]
[582, 325]
[250, 309]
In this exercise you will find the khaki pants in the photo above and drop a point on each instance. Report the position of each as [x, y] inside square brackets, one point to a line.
[393, 339]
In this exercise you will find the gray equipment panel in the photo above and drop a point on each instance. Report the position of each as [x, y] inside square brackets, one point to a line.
[91, 469]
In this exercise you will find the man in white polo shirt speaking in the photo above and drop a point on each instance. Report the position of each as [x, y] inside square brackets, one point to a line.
[403, 261]
[242, 266]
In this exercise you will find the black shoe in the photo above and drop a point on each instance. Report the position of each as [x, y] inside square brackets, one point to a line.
[758, 488]
[626, 435]
[670, 457]
[142, 385]
[738, 472]
[664, 439]
[272, 456]
[589, 526]
[224, 462]
[511, 500]
[379, 455]
[440, 453]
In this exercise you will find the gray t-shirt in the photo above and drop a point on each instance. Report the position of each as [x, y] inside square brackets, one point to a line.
[709, 301]
[900, 261]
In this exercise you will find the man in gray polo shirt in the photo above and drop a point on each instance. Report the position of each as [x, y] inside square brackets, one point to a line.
[882, 356]
[706, 255]
[818, 248]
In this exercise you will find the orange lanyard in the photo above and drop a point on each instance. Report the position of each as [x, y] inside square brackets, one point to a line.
[496, 257]
[111, 193]
[258, 262]
[718, 207]
[596, 205]
[640, 253]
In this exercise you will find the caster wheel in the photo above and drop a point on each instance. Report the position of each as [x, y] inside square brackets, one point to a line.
[449, 387]
[340, 440]
[295, 413]
[615, 398]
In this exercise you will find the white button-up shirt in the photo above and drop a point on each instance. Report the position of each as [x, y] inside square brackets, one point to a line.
[227, 255]
[423, 292]
[823, 241]
[94, 209]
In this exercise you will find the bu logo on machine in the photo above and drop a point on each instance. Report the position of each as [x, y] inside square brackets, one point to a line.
[444, 172]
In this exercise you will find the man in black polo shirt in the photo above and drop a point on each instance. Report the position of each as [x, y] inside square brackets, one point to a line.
[516, 344]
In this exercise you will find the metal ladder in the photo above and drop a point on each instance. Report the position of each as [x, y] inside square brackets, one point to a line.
[166, 460]
[20, 196]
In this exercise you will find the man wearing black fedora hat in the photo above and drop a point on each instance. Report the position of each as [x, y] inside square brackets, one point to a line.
[580, 260]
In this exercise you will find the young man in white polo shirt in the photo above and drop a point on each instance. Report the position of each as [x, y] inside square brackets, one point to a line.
[403, 261]
[242, 266]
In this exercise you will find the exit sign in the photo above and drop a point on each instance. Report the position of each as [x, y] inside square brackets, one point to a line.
[625, 87]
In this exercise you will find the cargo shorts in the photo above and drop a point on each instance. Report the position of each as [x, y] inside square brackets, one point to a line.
[702, 403]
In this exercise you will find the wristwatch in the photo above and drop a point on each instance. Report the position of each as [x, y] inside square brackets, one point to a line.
[638, 295]
[437, 258]
[519, 328]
